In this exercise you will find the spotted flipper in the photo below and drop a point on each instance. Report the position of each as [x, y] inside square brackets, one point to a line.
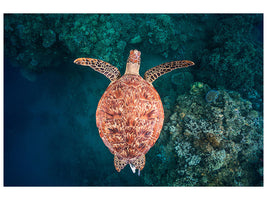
[140, 162]
[111, 72]
[119, 163]
[155, 72]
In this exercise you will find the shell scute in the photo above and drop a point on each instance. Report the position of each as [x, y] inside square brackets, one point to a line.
[130, 133]
[145, 133]
[114, 139]
[146, 95]
[118, 147]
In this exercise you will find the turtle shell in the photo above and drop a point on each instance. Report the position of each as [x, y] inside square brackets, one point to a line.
[129, 117]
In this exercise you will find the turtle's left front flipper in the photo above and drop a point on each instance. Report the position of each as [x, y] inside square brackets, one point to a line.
[155, 72]
[111, 72]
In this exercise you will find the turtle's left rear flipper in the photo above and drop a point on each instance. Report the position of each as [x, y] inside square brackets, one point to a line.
[155, 72]
[111, 72]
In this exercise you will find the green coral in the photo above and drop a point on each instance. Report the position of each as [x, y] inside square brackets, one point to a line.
[235, 56]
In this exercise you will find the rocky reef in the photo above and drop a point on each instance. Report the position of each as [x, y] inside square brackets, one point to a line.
[216, 143]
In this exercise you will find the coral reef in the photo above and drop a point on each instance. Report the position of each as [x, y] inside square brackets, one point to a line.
[235, 59]
[49, 38]
[226, 48]
[208, 144]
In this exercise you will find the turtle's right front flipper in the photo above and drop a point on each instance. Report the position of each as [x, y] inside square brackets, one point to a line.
[111, 72]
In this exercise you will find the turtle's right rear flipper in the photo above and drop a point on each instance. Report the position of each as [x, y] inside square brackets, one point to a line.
[111, 72]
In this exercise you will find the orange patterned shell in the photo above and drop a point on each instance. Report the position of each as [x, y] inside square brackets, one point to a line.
[129, 117]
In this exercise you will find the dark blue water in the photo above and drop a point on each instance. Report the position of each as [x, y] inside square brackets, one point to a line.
[50, 132]
[26, 131]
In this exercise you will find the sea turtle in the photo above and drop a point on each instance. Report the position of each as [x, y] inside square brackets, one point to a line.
[130, 114]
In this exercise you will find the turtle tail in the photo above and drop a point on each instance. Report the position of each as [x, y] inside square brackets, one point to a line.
[138, 163]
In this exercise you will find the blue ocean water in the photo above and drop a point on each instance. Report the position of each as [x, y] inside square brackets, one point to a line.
[48, 140]
[50, 133]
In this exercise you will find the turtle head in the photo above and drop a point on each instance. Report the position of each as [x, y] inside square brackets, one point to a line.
[133, 62]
